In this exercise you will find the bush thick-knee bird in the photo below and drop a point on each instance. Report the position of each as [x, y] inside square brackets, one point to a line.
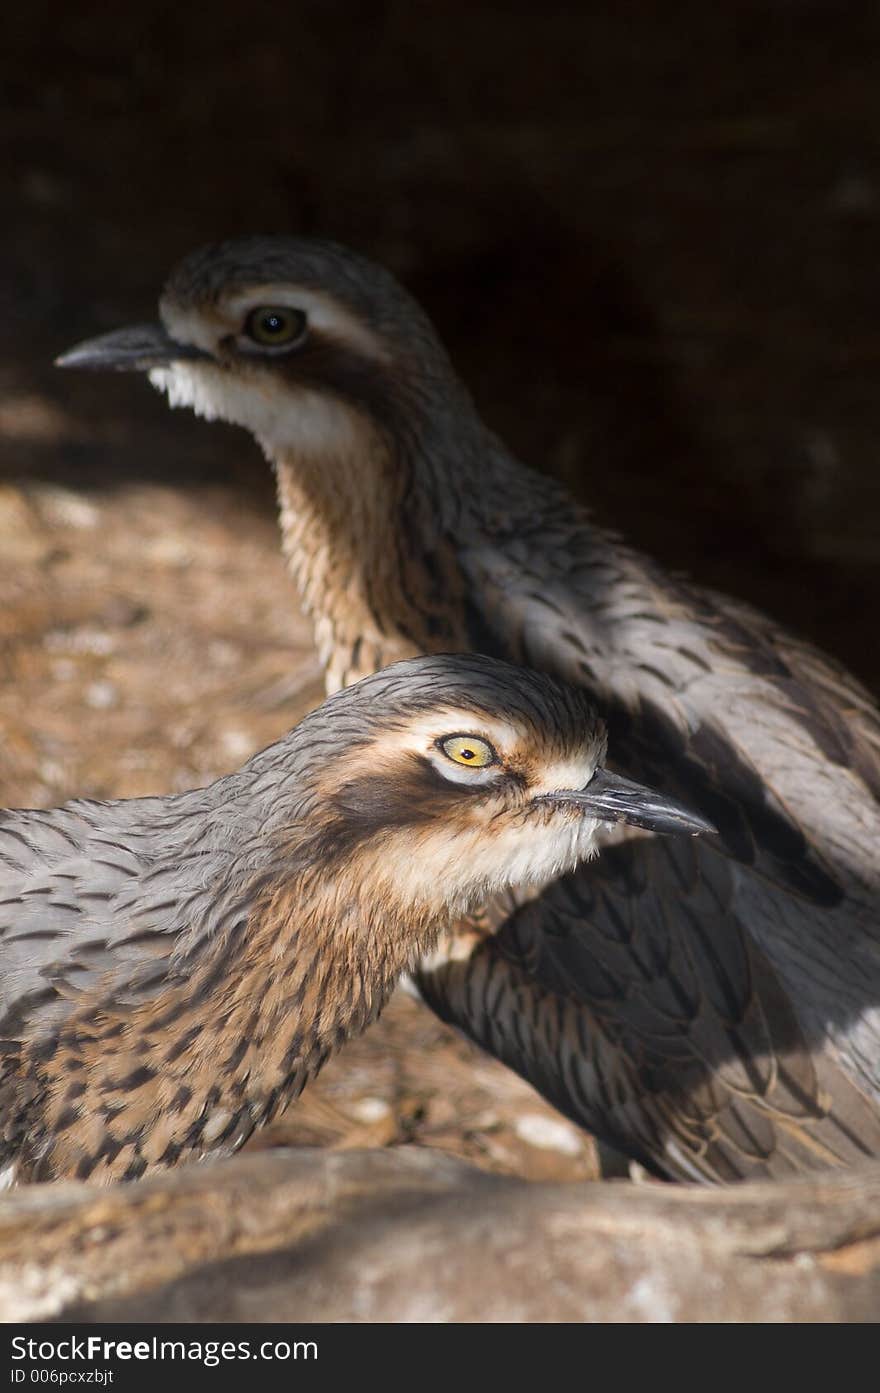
[174, 970]
[711, 1008]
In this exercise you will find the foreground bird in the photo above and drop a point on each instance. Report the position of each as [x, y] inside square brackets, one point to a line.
[174, 970]
[710, 1008]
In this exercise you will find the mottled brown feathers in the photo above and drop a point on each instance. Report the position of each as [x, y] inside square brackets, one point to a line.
[177, 969]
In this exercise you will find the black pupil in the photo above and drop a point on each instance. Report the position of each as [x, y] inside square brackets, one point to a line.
[466, 754]
[273, 324]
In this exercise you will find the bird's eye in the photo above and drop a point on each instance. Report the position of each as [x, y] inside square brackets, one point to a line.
[276, 326]
[470, 750]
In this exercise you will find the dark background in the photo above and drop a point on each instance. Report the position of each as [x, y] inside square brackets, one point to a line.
[647, 232]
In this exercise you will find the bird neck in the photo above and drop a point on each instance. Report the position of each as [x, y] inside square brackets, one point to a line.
[315, 963]
[299, 963]
[373, 534]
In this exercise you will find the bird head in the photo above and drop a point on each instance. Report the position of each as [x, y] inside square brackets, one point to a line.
[299, 341]
[462, 776]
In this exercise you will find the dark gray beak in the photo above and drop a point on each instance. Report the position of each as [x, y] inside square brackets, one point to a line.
[610, 798]
[137, 349]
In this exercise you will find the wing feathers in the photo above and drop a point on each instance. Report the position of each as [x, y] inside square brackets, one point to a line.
[656, 1023]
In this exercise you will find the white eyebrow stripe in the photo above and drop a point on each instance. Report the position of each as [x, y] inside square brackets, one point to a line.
[421, 732]
[569, 771]
[204, 325]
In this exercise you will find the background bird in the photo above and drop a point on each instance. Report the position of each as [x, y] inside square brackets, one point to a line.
[710, 1008]
[174, 970]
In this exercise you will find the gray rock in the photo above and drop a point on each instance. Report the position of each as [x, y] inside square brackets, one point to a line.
[412, 1235]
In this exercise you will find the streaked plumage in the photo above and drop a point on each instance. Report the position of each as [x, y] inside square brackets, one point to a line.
[712, 1009]
[174, 970]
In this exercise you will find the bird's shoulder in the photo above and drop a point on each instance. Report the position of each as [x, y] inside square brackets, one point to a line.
[773, 742]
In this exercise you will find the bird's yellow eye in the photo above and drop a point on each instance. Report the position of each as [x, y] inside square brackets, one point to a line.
[276, 326]
[470, 750]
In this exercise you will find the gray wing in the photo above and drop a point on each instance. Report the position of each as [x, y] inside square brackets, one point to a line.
[774, 744]
[766, 935]
[631, 997]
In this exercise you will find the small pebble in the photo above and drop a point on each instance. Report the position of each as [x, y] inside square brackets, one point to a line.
[168, 551]
[236, 743]
[101, 696]
[63, 508]
[51, 772]
[62, 669]
[548, 1133]
[368, 1109]
[84, 640]
[224, 654]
